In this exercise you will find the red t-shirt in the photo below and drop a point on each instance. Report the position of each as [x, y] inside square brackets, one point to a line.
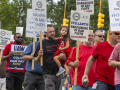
[66, 51]
[104, 72]
[84, 54]
[93, 45]
[6, 52]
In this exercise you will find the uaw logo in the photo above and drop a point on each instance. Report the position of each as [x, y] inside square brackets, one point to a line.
[2, 33]
[39, 4]
[37, 35]
[118, 3]
[76, 16]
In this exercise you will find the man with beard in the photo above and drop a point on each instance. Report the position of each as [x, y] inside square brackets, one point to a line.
[50, 68]
[14, 77]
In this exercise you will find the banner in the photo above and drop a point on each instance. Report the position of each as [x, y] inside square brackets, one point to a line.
[5, 37]
[114, 13]
[16, 61]
[39, 15]
[85, 5]
[79, 25]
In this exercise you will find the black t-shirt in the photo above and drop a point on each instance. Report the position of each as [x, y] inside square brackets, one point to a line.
[49, 49]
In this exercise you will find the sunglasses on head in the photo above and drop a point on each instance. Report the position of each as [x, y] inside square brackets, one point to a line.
[100, 36]
[19, 37]
[116, 33]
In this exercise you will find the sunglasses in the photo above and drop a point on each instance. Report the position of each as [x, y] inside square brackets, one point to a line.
[116, 33]
[100, 36]
[19, 37]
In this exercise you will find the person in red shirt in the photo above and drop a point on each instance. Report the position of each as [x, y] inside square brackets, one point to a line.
[14, 77]
[99, 37]
[85, 50]
[101, 53]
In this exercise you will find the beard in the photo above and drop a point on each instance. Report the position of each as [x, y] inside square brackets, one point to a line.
[50, 38]
[18, 42]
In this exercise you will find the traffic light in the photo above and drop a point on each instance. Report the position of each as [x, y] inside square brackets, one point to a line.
[65, 21]
[100, 20]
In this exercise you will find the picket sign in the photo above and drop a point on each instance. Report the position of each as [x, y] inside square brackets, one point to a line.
[4, 40]
[114, 14]
[40, 19]
[30, 30]
[79, 27]
[85, 5]
[16, 61]
[19, 30]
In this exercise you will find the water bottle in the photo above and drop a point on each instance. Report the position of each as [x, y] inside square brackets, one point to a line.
[62, 44]
[65, 88]
[85, 83]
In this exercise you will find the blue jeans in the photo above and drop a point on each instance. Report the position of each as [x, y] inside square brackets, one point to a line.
[117, 87]
[78, 87]
[104, 86]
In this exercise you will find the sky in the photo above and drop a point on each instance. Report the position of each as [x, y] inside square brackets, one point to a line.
[56, 1]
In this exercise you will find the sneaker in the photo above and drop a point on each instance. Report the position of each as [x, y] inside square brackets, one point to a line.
[65, 76]
[62, 70]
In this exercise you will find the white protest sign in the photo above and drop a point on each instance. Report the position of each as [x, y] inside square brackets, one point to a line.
[12, 38]
[39, 15]
[30, 31]
[114, 13]
[85, 5]
[79, 25]
[19, 30]
[5, 37]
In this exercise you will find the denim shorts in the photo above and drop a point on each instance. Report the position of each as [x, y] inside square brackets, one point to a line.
[78, 87]
[117, 87]
[104, 86]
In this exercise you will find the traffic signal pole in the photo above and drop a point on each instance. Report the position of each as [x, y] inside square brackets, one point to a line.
[65, 9]
[100, 16]
[65, 21]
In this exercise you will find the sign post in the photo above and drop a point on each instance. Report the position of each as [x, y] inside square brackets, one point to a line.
[33, 52]
[1, 55]
[79, 27]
